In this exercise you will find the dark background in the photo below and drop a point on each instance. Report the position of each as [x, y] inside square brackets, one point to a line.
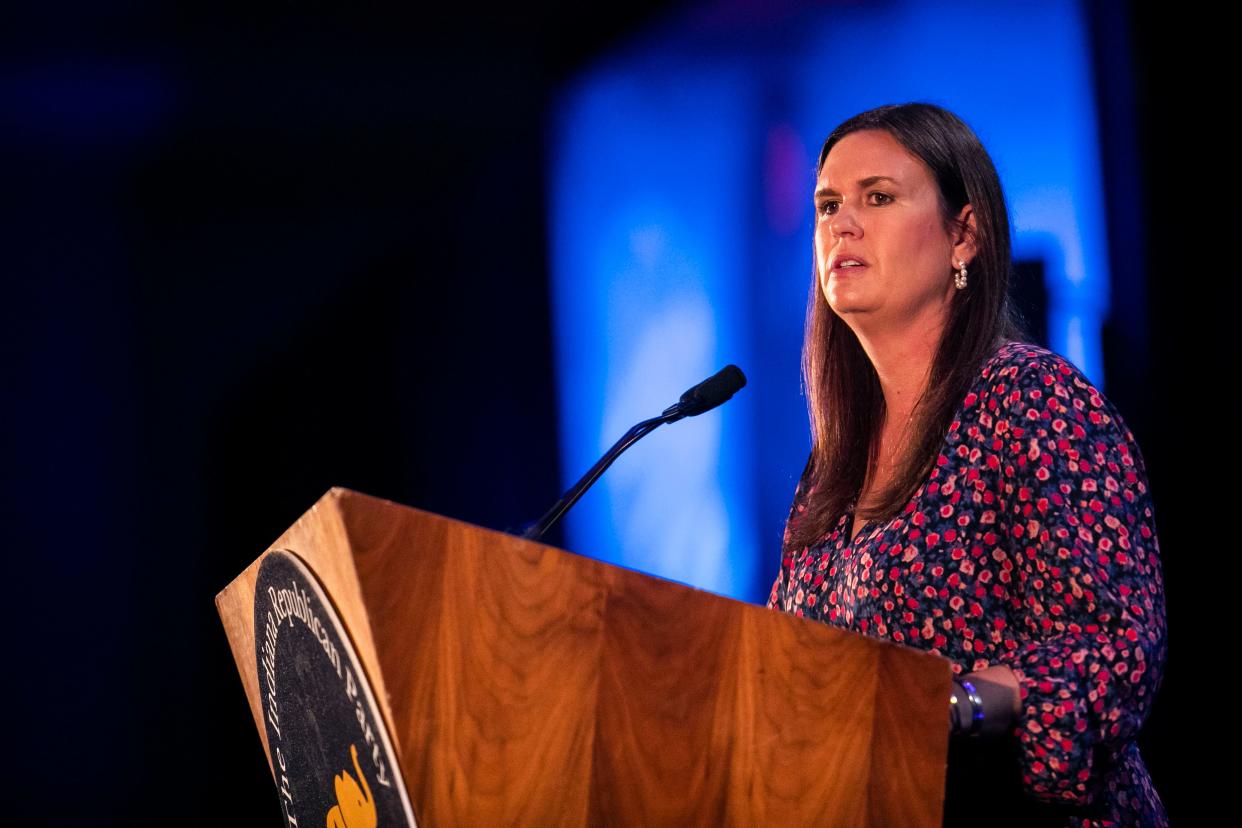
[252, 251]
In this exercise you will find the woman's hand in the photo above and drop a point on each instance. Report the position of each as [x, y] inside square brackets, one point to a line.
[986, 702]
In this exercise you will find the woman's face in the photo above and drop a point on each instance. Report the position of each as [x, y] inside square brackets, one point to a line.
[884, 257]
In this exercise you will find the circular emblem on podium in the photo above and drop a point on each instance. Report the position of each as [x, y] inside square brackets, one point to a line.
[331, 755]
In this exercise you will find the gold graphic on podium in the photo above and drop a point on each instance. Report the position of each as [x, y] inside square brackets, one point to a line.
[354, 808]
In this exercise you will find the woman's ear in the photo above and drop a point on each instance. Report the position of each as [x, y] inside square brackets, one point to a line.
[965, 235]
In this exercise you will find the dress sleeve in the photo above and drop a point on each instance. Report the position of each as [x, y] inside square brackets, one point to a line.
[1087, 583]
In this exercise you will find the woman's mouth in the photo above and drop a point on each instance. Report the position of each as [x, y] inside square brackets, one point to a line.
[848, 266]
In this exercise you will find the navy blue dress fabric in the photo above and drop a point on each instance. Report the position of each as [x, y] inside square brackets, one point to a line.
[1032, 544]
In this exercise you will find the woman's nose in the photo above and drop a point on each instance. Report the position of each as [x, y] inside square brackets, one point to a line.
[845, 223]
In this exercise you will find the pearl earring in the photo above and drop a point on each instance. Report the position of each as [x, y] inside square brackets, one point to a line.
[959, 281]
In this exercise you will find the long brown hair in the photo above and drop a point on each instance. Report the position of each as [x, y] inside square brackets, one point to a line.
[844, 399]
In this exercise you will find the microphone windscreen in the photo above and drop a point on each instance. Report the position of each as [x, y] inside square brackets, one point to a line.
[713, 391]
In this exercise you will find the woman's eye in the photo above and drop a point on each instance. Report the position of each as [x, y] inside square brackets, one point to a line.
[830, 208]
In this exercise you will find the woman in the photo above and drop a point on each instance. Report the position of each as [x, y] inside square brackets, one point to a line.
[967, 493]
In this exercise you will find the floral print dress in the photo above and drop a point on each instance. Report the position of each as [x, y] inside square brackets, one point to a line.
[1032, 544]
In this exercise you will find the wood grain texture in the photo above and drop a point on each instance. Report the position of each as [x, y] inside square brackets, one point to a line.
[524, 685]
[910, 712]
[236, 607]
[493, 644]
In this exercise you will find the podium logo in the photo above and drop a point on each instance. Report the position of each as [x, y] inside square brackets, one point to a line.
[354, 808]
[331, 752]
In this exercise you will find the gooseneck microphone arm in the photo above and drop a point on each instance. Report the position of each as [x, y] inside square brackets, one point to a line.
[536, 530]
[705, 396]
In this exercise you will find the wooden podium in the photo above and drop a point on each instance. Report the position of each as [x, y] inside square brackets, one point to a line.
[525, 685]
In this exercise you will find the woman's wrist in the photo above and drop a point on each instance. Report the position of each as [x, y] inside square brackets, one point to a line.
[984, 704]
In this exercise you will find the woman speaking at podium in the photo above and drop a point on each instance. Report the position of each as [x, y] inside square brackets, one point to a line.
[968, 493]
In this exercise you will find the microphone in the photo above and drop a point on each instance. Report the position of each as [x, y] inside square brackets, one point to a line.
[711, 392]
[716, 390]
